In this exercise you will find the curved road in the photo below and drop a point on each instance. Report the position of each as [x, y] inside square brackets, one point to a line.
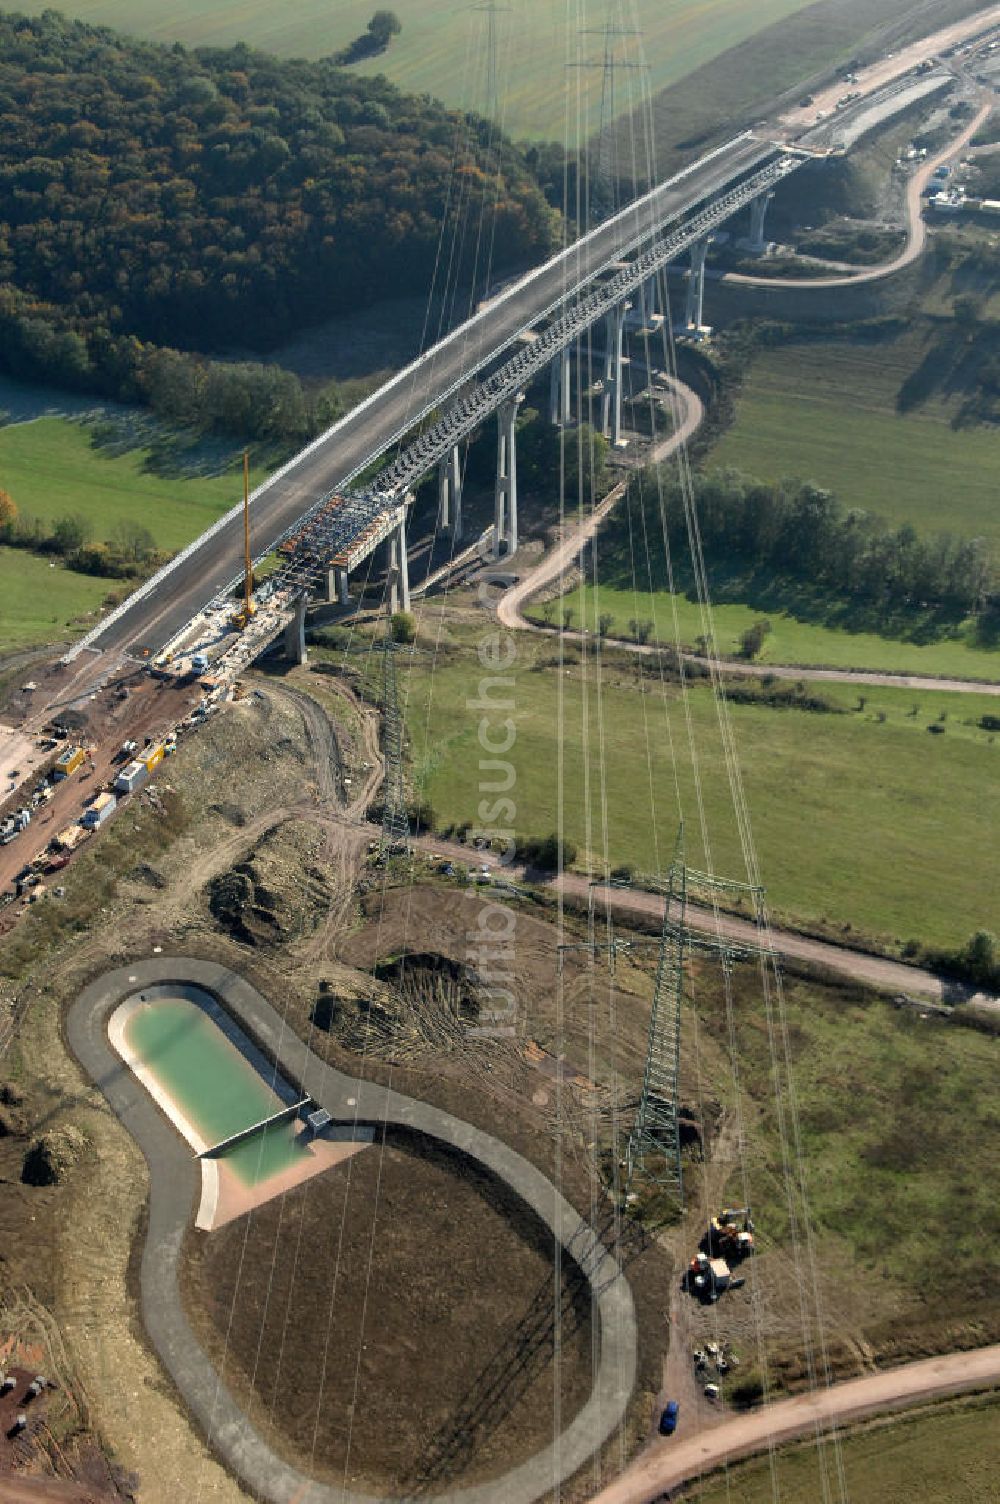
[509, 608]
[173, 1188]
[916, 231]
[667, 1463]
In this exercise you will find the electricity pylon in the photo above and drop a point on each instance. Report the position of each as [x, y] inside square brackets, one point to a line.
[395, 821]
[653, 1151]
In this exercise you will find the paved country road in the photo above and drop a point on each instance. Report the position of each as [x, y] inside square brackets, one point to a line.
[916, 235]
[174, 1183]
[671, 1461]
[561, 558]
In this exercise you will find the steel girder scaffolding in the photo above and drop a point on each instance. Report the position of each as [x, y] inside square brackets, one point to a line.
[515, 374]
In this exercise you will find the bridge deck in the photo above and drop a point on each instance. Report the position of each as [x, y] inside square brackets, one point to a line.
[158, 611]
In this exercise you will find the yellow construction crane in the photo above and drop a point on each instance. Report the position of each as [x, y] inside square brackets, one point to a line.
[240, 618]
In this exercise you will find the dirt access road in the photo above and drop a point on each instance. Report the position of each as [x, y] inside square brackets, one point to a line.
[887, 69]
[668, 1462]
[567, 551]
[564, 556]
[916, 235]
[860, 966]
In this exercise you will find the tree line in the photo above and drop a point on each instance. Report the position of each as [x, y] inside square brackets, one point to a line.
[129, 553]
[220, 199]
[244, 399]
[797, 531]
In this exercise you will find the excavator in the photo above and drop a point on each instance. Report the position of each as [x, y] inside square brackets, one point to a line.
[245, 613]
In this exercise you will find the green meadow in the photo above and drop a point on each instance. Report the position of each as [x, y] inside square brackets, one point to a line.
[829, 412]
[52, 468]
[947, 1455]
[861, 817]
[791, 641]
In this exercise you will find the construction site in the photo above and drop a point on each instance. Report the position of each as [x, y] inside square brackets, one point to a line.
[618, 1080]
[355, 1149]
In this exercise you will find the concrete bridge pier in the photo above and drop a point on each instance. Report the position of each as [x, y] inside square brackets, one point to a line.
[695, 307]
[450, 494]
[505, 523]
[399, 570]
[758, 209]
[611, 396]
[336, 585]
[295, 633]
[560, 389]
[645, 315]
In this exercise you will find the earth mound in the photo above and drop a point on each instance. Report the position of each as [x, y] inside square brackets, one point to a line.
[276, 895]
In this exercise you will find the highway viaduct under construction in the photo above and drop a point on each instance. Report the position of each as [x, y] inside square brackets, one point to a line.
[325, 529]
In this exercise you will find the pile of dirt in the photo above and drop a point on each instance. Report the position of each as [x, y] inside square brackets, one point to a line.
[52, 1156]
[11, 1116]
[420, 1002]
[275, 896]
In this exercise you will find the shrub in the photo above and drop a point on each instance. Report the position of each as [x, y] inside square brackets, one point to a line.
[548, 853]
[403, 627]
[747, 1390]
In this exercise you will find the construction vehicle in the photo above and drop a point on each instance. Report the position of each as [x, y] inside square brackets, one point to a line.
[245, 613]
[730, 1235]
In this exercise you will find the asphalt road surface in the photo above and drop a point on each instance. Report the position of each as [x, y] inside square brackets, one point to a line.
[174, 1176]
[332, 460]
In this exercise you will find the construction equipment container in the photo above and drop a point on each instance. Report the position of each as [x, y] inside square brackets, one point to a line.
[70, 837]
[68, 761]
[153, 756]
[131, 777]
[103, 806]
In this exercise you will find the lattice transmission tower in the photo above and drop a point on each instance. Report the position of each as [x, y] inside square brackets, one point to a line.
[395, 821]
[653, 1150]
[603, 169]
[654, 1146]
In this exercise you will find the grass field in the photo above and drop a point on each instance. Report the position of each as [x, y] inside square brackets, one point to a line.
[442, 48]
[827, 412]
[791, 641]
[845, 823]
[897, 1205]
[42, 603]
[948, 1455]
[52, 469]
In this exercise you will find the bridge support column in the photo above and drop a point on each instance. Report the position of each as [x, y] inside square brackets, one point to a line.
[399, 571]
[560, 389]
[343, 587]
[450, 494]
[505, 524]
[331, 584]
[611, 397]
[695, 308]
[645, 313]
[758, 209]
[295, 633]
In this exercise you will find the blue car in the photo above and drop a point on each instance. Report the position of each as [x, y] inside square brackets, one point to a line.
[668, 1420]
